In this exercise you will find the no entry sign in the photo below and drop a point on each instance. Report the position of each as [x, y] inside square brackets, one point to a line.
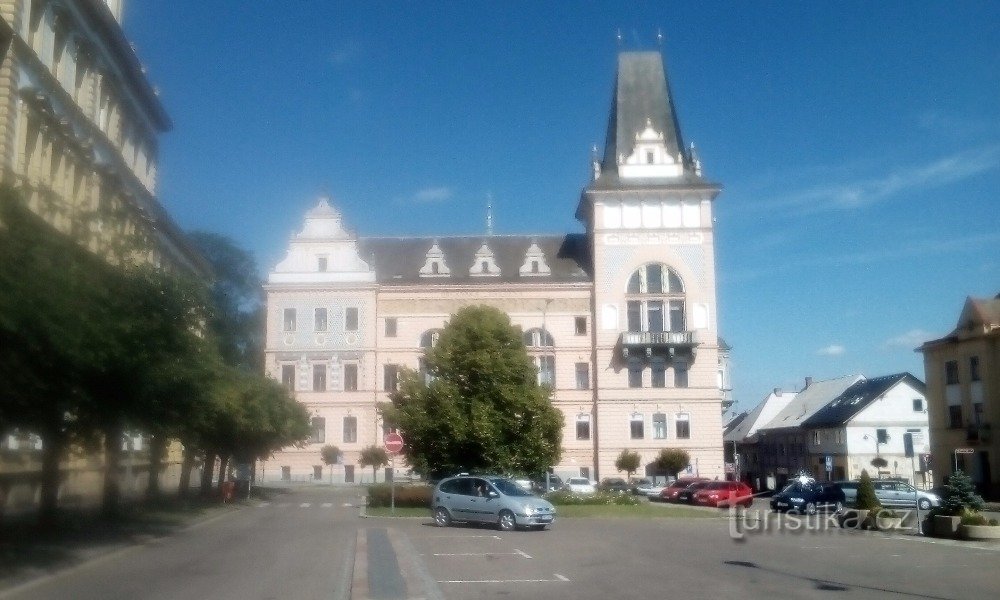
[393, 442]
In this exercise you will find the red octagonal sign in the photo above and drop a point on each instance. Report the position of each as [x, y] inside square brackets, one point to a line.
[393, 442]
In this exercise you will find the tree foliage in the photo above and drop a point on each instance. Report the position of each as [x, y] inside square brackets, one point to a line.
[374, 457]
[672, 461]
[628, 461]
[482, 408]
[329, 454]
[879, 463]
[866, 499]
[960, 495]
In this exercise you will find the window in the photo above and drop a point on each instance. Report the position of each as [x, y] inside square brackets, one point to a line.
[435, 268]
[289, 319]
[348, 473]
[534, 266]
[350, 430]
[390, 327]
[429, 339]
[319, 378]
[684, 426]
[582, 376]
[659, 426]
[583, 427]
[317, 472]
[547, 370]
[581, 325]
[882, 436]
[659, 374]
[816, 438]
[665, 312]
[538, 338]
[390, 380]
[288, 376]
[320, 319]
[634, 374]
[585, 472]
[351, 318]
[485, 266]
[977, 413]
[350, 377]
[635, 425]
[317, 435]
[954, 416]
[286, 473]
[681, 376]
[838, 436]
[951, 372]
[974, 368]
[322, 263]
[918, 405]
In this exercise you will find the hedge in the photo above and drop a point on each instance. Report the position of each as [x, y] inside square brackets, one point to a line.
[414, 496]
[566, 498]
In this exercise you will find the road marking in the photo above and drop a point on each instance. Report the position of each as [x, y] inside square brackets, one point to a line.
[283, 504]
[523, 553]
[347, 505]
[305, 505]
[558, 579]
[441, 537]
[263, 504]
[327, 504]
[517, 553]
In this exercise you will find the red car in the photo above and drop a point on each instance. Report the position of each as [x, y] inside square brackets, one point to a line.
[723, 494]
[669, 493]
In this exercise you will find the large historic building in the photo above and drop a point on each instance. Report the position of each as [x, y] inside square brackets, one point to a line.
[622, 320]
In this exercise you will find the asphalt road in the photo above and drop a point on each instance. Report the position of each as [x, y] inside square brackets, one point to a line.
[307, 545]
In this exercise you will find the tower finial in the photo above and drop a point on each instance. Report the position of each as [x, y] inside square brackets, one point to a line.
[489, 214]
[659, 37]
[618, 36]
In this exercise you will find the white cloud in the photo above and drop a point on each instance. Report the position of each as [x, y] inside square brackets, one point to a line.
[911, 339]
[832, 350]
[433, 194]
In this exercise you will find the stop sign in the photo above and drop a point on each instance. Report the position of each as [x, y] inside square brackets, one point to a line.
[393, 442]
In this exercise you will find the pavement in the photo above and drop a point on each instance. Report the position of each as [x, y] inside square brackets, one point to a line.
[311, 543]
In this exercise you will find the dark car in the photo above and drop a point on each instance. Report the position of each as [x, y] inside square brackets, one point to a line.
[686, 496]
[614, 484]
[808, 496]
[554, 483]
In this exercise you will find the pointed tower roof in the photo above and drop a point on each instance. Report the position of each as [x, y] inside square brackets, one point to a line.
[641, 99]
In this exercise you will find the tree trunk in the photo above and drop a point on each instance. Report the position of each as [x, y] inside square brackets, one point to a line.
[52, 451]
[157, 452]
[111, 498]
[207, 474]
[223, 465]
[184, 487]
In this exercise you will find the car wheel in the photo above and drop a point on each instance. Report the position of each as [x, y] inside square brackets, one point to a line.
[441, 517]
[507, 521]
[810, 508]
[924, 504]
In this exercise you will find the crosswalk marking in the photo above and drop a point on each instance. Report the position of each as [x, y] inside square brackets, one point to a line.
[327, 504]
[305, 505]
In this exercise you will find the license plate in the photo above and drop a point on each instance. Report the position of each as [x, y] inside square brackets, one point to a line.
[545, 519]
[782, 504]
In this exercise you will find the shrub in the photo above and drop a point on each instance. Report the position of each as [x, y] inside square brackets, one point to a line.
[407, 496]
[866, 499]
[566, 498]
[994, 523]
[960, 496]
[886, 513]
[973, 518]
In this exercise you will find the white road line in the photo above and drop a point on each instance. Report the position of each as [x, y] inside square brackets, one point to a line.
[305, 505]
[441, 537]
[263, 504]
[347, 505]
[518, 553]
[523, 553]
[559, 579]
[282, 504]
[327, 504]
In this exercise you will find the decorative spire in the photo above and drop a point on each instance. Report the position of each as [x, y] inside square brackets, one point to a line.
[489, 214]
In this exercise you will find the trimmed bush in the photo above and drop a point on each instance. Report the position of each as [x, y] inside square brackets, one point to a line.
[407, 496]
[867, 500]
[566, 498]
[974, 518]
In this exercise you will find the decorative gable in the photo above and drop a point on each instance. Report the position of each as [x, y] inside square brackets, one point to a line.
[485, 264]
[434, 263]
[649, 157]
[534, 263]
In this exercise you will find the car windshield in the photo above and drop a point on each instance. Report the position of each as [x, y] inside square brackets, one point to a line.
[508, 487]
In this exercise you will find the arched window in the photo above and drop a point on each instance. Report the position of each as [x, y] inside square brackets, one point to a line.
[540, 344]
[655, 300]
[538, 338]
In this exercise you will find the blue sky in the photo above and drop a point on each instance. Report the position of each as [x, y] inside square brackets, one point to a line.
[858, 143]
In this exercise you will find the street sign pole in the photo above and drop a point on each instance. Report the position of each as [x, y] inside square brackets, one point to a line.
[393, 443]
[392, 486]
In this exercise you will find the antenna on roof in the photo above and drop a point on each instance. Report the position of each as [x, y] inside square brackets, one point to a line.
[489, 214]
[659, 37]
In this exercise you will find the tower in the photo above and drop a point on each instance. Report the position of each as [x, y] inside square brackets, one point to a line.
[648, 214]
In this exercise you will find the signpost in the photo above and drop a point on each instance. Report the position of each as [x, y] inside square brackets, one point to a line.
[393, 443]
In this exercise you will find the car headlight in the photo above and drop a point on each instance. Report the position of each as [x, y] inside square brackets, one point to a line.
[529, 510]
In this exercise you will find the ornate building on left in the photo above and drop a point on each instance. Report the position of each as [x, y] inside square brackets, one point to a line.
[79, 123]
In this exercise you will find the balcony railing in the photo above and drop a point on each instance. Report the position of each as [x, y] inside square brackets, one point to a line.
[658, 338]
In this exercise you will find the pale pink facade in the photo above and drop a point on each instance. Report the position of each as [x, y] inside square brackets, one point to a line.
[629, 306]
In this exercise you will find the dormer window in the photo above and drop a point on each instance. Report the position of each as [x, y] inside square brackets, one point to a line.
[649, 157]
[485, 263]
[534, 266]
[484, 266]
[435, 268]
[322, 263]
[534, 262]
[434, 263]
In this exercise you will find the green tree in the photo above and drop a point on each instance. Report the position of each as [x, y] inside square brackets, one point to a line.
[672, 461]
[879, 463]
[960, 495]
[628, 461]
[866, 499]
[330, 455]
[481, 407]
[374, 457]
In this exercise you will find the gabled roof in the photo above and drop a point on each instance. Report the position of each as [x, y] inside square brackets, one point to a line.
[856, 398]
[734, 422]
[814, 397]
[979, 317]
[759, 416]
[399, 260]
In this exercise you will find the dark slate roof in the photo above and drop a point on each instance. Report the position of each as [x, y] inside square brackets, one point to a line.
[399, 260]
[856, 398]
[641, 92]
[735, 422]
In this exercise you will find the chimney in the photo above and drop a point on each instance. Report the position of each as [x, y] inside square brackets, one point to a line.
[809, 382]
[777, 391]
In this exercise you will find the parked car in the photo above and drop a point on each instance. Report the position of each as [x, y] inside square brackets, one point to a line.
[640, 485]
[893, 493]
[686, 496]
[722, 494]
[669, 493]
[554, 483]
[808, 496]
[614, 484]
[486, 499]
[524, 482]
[580, 485]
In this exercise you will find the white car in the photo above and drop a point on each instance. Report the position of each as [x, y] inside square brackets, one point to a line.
[580, 485]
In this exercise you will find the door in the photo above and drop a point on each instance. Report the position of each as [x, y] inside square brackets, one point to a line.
[481, 506]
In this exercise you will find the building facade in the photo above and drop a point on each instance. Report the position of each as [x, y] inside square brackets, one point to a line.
[963, 396]
[621, 320]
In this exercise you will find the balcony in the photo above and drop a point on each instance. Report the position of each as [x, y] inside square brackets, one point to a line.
[664, 343]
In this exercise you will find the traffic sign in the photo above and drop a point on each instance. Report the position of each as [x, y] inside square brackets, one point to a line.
[829, 463]
[393, 442]
[965, 450]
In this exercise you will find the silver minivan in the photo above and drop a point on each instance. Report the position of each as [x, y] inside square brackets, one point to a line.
[489, 499]
[892, 493]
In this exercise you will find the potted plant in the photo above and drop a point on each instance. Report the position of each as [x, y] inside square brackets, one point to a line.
[866, 506]
[960, 497]
[975, 526]
[886, 519]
